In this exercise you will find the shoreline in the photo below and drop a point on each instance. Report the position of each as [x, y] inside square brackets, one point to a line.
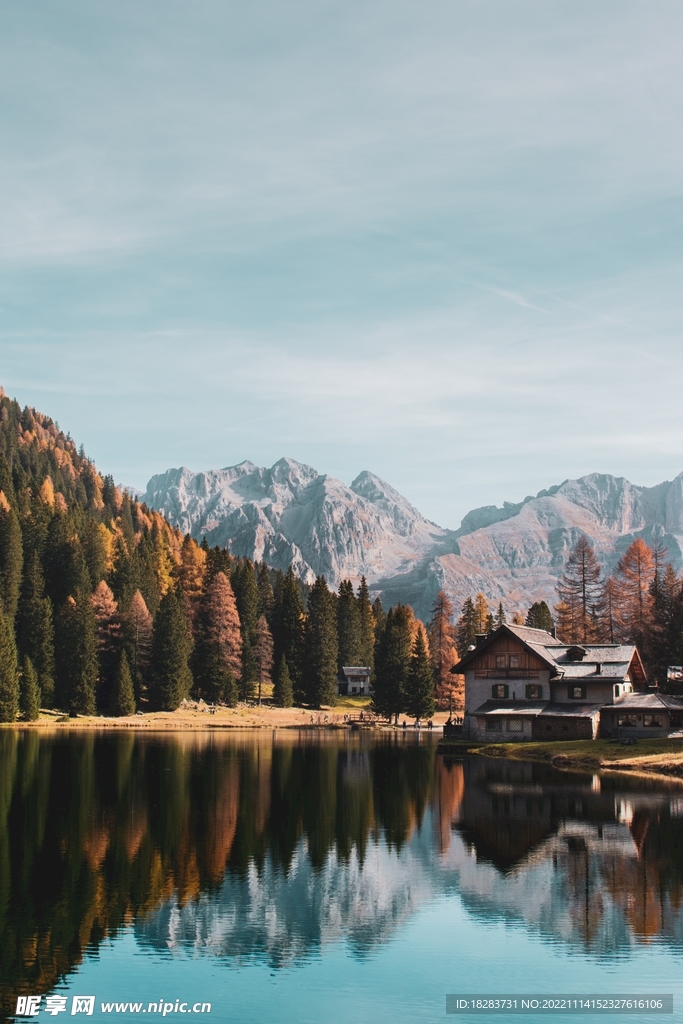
[655, 757]
[249, 717]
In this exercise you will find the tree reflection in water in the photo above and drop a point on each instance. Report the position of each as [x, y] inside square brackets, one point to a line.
[271, 846]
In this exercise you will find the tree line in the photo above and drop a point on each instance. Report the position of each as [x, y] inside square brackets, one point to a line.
[105, 608]
[640, 602]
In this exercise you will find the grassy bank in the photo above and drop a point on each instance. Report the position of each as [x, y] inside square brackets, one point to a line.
[661, 756]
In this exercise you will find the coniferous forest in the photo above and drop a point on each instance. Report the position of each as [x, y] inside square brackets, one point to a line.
[107, 609]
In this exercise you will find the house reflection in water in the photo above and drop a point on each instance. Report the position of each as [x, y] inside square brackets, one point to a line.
[594, 860]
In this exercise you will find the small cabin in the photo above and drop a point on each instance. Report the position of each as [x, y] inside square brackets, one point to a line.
[354, 681]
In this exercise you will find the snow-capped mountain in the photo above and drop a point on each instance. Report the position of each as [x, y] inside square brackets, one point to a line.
[291, 514]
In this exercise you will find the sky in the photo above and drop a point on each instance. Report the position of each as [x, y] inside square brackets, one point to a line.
[438, 240]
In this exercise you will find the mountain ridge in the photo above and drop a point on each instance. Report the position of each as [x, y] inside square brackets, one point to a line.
[291, 514]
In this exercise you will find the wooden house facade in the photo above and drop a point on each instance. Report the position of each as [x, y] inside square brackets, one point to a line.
[524, 684]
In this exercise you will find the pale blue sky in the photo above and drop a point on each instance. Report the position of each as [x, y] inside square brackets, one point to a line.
[439, 240]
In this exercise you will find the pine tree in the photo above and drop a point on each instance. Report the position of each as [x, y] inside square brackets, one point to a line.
[283, 694]
[539, 617]
[466, 628]
[123, 696]
[77, 666]
[443, 651]
[499, 618]
[9, 677]
[288, 628]
[349, 627]
[170, 679]
[35, 628]
[580, 591]
[263, 651]
[265, 589]
[419, 699]
[392, 663]
[108, 626]
[190, 573]
[367, 625]
[11, 559]
[29, 692]
[321, 646]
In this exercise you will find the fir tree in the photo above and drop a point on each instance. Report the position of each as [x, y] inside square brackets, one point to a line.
[349, 627]
[419, 698]
[123, 696]
[499, 619]
[392, 663]
[321, 646]
[9, 677]
[218, 645]
[11, 559]
[35, 628]
[29, 692]
[283, 694]
[367, 625]
[288, 628]
[263, 651]
[77, 667]
[247, 597]
[466, 628]
[265, 589]
[540, 617]
[170, 679]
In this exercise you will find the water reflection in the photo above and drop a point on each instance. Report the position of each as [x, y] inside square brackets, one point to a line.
[271, 847]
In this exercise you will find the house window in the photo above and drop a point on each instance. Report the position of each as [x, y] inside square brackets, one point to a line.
[654, 721]
[534, 692]
[500, 661]
[627, 721]
[494, 725]
[577, 692]
[514, 661]
[500, 691]
[515, 725]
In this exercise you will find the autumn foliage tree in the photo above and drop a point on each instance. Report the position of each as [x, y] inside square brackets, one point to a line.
[444, 654]
[580, 591]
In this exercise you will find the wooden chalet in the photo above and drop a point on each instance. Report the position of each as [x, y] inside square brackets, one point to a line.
[524, 684]
[354, 680]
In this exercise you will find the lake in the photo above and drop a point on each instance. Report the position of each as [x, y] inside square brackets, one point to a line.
[339, 877]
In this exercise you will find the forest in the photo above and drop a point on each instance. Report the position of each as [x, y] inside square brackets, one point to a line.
[107, 609]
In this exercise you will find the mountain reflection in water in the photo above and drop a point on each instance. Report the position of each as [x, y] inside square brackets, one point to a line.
[271, 847]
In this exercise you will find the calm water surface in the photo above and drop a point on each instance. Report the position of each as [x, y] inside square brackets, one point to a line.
[297, 877]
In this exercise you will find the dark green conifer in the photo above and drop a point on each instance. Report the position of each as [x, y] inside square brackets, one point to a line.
[35, 629]
[266, 596]
[466, 627]
[540, 617]
[499, 618]
[170, 679]
[321, 646]
[76, 662]
[420, 684]
[367, 625]
[247, 597]
[29, 692]
[11, 561]
[392, 663]
[288, 628]
[9, 676]
[123, 696]
[349, 627]
[283, 694]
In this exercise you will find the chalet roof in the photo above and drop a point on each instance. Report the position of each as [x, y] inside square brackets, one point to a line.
[348, 669]
[648, 701]
[614, 659]
[571, 710]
